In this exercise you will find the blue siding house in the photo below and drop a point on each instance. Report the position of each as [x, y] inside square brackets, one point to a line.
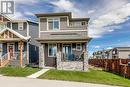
[17, 44]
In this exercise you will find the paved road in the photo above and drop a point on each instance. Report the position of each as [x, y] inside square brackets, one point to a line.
[26, 82]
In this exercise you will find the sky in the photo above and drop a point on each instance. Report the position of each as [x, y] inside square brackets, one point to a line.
[109, 24]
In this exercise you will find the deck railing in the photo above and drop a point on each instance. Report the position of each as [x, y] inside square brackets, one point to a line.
[72, 57]
[16, 55]
[4, 60]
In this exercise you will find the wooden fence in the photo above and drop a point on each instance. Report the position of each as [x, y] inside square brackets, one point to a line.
[118, 66]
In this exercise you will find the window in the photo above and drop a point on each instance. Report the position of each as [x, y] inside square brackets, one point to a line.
[78, 46]
[20, 26]
[51, 50]
[2, 26]
[53, 24]
[83, 23]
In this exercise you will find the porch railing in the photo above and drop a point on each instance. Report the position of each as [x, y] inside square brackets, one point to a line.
[73, 57]
[16, 55]
[4, 60]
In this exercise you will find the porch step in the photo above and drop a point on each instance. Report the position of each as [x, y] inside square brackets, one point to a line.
[4, 63]
[16, 63]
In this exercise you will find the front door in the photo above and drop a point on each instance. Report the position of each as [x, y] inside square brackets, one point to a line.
[66, 51]
[11, 50]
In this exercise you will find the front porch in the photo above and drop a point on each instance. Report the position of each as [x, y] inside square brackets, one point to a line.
[13, 49]
[64, 56]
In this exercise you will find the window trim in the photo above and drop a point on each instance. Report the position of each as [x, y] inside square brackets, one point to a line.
[49, 47]
[80, 46]
[53, 19]
[21, 25]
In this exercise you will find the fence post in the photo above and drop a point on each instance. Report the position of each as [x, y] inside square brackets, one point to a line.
[125, 70]
[106, 65]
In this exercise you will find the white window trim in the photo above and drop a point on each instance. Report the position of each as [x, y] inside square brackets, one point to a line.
[80, 47]
[48, 49]
[55, 18]
[19, 25]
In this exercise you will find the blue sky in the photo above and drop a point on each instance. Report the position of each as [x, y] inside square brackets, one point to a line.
[109, 24]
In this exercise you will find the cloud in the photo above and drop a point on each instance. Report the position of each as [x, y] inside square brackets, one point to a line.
[96, 46]
[91, 11]
[65, 5]
[109, 48]
[109, 16]
[105, 23]
[29, 13]
[17, 15]
[26, 2]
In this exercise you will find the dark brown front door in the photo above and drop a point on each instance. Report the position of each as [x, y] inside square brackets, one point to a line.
[10, 50]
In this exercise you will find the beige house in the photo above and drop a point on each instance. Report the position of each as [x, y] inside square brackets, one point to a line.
[120, 52]
[63, 41]
[117, 52]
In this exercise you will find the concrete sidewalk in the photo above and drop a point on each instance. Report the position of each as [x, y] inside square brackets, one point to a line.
[37, 74]
[26, 82]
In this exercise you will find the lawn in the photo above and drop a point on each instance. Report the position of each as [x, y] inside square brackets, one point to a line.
[17, 71]
[93, 76]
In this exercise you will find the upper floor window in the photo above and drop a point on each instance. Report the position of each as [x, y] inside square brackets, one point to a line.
[20, 26]
[54, 24]
[79, 46]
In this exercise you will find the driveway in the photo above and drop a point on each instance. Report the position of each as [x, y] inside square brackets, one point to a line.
[26, 82]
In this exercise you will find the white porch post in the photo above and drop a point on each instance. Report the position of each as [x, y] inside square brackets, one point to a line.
[85, 61]
[42, 55]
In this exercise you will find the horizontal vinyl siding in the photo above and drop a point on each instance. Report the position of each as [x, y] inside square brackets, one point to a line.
[22, 32]
[64, 35]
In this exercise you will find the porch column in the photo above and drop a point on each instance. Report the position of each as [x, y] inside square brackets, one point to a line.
[27, 53]
[42, 55]
[85, 61]
[21, 53]
[58, 57]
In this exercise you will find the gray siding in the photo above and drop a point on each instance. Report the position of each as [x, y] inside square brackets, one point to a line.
[22, 32]
[64, 35]
[34, 45]
[43, 24]
[33, 30]
[63, 25]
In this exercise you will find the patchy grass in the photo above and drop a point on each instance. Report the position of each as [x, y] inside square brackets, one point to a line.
[17, 71]
[93, 76]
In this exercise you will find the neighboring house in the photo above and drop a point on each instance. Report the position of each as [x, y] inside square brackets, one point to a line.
[120, 52]
[63, 41]
[101, 54]
[117, 52]
[18, 46]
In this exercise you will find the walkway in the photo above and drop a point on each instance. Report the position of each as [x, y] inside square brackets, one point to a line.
[37, 74]
[26, 82]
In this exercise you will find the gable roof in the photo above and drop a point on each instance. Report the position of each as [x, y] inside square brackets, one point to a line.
[15, 33]
[18, 20]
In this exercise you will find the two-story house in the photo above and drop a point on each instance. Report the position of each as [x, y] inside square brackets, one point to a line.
[17, 44]
[63, 41]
